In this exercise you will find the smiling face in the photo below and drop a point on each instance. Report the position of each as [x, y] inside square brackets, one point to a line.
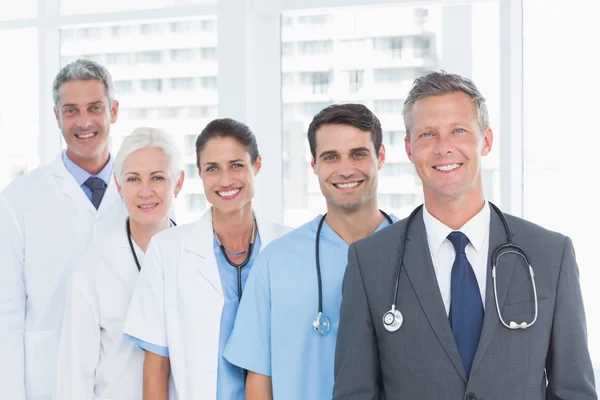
[346, 165]
[227, 174]
[446, 144]
[147, 186]
[84, 116]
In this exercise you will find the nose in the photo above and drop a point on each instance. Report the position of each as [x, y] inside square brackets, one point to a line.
[225, 179]
[444, 144]
[346, 167]
[83, 121]
[145, 190]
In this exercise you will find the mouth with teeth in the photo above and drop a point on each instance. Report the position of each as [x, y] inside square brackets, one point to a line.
[228, 194]
[86, 135]
[147, 207]
[447, 167]
[347, 186]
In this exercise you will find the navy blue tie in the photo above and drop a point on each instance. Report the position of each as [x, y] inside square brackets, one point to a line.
[98, 187]
[466, 308]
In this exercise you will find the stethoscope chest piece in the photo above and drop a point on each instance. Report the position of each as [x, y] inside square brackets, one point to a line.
[392, 320]
[322, 324]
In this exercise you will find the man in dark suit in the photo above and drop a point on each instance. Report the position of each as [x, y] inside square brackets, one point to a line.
[457, 341]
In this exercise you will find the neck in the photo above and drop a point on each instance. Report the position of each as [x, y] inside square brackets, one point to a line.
[455, 212]
[92, 165]
[142, 233]
[353, 225]
[234, 229]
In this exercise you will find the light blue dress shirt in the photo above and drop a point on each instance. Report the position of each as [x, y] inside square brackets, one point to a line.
[230, 379]
[81, 175]
[273, 332]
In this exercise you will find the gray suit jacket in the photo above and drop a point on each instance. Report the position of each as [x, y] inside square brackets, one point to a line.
[549, 360]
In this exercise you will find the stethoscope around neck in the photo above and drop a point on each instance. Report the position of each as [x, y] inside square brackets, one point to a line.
[321, 323]
[393, 319]
[133, 253]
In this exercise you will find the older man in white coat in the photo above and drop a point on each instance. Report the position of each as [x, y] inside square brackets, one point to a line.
[48, 218]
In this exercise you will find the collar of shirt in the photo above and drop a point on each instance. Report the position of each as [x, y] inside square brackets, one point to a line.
[81, 175]
[476, 229]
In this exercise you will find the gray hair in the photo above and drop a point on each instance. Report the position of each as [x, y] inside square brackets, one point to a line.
[440, 83]
[144, 138]
[84, 70]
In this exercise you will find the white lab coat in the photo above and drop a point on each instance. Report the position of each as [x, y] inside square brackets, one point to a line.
[46, 223]
[178, 301]
[95, 361]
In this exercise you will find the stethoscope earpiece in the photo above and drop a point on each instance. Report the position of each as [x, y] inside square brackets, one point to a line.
[322, 324]
[392, 320]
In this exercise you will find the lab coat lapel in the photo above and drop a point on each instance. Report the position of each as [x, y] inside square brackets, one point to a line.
[420, 271]
[267, 231]
[506, 265]
[68, 185]
[201, 245]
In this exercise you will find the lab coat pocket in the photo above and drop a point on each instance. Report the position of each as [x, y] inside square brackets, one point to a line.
[40, 362]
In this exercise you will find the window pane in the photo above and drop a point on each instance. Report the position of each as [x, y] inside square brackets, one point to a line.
[85, 7]
[164, 77]
[19, 106]
[561, 140]
[371, 55]
[18, 9]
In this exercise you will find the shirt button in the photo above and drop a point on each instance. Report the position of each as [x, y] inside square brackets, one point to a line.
[471, 396]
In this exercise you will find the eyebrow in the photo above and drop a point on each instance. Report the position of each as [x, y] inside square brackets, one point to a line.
[329, 152]
[237, 160]
[89, 104]
[151, 173]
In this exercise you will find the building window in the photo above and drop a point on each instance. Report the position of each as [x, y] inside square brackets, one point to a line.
[182, 84]
[315, 47]
[123, 87]
[209, 53]
[389, 45]
[151, 29]
[209, 82]
[195, 202]
[149, 57]
[318, 81]
[151, 85]
[190, 171]
[388, 106]
[355, 80]
[184, 55]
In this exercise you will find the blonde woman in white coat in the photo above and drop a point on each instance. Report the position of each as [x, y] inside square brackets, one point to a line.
[185, 302]
[95, 361]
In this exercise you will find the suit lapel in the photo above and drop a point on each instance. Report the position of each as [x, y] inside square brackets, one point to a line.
[200, 243]
[504, 272]
[420, 271]
[67, 184]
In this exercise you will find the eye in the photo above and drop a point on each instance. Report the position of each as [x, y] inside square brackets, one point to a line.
[96, 108]
[158, 178]
[359, 154]
[68, 111]
[211, 169]
[425, 134]
[330, 157]
[237, 165]
[459, 130]
[132, 179]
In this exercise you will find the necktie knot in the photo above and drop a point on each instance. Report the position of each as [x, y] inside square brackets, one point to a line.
[95, 183]
[459, 240]
[98, 187]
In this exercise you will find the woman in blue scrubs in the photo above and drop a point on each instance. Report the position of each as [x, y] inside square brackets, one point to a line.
[186, 299]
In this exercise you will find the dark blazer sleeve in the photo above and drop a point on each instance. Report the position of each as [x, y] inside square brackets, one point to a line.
[356, 357]
[568, 364]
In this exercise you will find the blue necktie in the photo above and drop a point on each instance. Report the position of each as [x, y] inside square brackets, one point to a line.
[98, 187]
[466, 308]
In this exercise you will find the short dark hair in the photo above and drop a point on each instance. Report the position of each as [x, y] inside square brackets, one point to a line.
[356, 115]
[227, 128]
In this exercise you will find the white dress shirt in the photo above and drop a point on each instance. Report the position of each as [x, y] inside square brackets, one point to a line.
[477, 229]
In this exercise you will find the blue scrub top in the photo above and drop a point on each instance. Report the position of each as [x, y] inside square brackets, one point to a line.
[230, 378]
[273, 332]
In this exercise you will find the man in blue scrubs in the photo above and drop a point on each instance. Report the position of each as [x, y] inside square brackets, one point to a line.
[274, 337]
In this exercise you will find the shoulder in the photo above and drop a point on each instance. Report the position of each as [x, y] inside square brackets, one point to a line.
[176, 234]
[386, 238]
[22, 186]
[523, 228]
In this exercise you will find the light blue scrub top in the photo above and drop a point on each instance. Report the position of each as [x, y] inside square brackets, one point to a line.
[230, 379]
[81, 175]
[273, 332]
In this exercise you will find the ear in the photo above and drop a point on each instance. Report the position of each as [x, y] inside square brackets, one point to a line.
[257, 165]
[313, 165]
[407, 148]
[119, 188]
[179, 183]
[57, 116]
[488, 139]
[114, 112]
[381, 157]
